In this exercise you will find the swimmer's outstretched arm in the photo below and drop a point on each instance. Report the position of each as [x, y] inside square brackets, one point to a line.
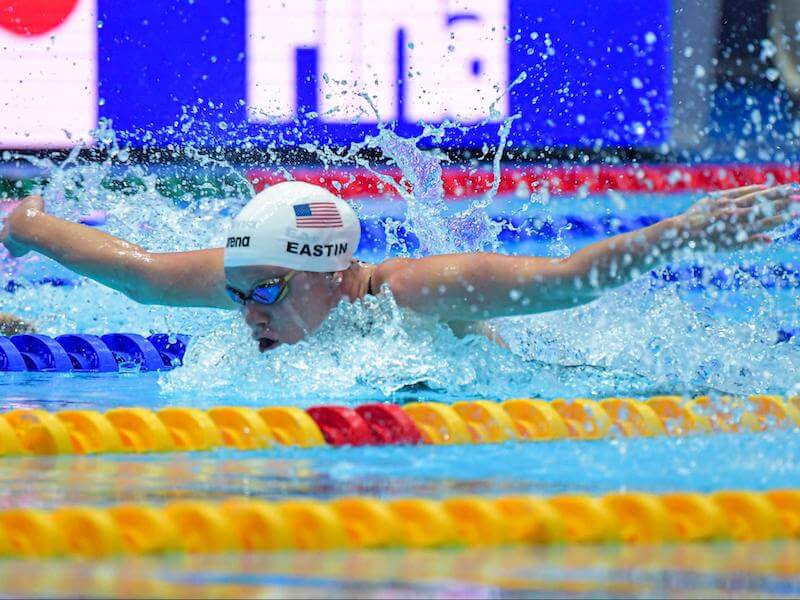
[471, 287]
[174, 278]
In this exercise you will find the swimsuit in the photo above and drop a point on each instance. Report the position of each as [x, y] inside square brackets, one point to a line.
[369, 281]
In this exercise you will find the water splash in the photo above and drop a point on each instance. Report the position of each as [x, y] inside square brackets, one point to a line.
[374, 349]
[633, 341]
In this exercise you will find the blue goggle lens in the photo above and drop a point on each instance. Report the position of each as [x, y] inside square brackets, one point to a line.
[267, 294]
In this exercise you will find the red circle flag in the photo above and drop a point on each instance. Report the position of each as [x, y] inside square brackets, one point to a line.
[34, 17]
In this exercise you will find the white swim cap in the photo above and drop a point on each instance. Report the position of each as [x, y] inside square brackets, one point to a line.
[294, 225]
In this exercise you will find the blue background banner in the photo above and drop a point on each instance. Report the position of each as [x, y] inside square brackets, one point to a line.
[597, 74]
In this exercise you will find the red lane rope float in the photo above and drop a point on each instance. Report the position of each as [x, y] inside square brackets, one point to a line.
[342, 426]
[567, 179]
[244, 524]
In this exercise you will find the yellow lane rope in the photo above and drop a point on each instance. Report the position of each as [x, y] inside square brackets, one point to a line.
[37, 431]
[242, 524]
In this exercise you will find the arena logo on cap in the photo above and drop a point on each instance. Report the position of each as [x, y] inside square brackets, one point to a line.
[238, 242]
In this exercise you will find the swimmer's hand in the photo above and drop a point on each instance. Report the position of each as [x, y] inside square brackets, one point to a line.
[11, 325]
[737, 218]
[18, 226]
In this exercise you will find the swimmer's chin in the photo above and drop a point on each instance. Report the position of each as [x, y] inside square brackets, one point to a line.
[265, 344]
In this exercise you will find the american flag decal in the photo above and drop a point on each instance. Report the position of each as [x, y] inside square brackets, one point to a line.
[317, 215]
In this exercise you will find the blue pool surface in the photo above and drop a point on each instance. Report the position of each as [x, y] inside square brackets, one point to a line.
[640, 340]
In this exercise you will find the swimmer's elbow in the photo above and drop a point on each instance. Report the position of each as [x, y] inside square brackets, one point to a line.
[577, 285]
[139, 293]
[194, 278]
[144, 283]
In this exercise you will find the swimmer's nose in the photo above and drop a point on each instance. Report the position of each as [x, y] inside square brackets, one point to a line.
[255, 318]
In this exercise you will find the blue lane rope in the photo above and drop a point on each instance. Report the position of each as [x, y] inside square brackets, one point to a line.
[84, 353]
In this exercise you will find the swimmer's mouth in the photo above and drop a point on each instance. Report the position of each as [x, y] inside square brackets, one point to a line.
[265, 344]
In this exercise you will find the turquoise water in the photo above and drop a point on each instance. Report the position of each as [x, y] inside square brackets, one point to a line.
[640, 339]
[707, 571]
[637, 340]
[700, 463]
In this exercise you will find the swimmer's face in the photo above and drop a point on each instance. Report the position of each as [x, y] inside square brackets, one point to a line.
[299, 313]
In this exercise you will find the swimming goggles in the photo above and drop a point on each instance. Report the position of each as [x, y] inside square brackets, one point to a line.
[269, 291]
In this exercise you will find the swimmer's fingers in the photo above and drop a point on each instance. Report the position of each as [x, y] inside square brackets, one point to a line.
[754, 234]
[739, 227]
[783, 192]
[759, 239]
[32, 203]
[18, 217]
[768, 223]
[723, 199]
[11, 325]
[751, 207]
[749, 217]
[766, 208]
[734, 193]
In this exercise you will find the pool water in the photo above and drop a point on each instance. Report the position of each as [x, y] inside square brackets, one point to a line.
[651, 336]
[708, 571]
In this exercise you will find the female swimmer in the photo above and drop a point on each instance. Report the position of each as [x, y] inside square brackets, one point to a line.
[288, 260]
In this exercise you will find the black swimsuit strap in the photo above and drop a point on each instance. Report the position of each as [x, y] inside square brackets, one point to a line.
[369, 281]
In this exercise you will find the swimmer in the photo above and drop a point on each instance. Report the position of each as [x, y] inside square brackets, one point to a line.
[288, 261]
